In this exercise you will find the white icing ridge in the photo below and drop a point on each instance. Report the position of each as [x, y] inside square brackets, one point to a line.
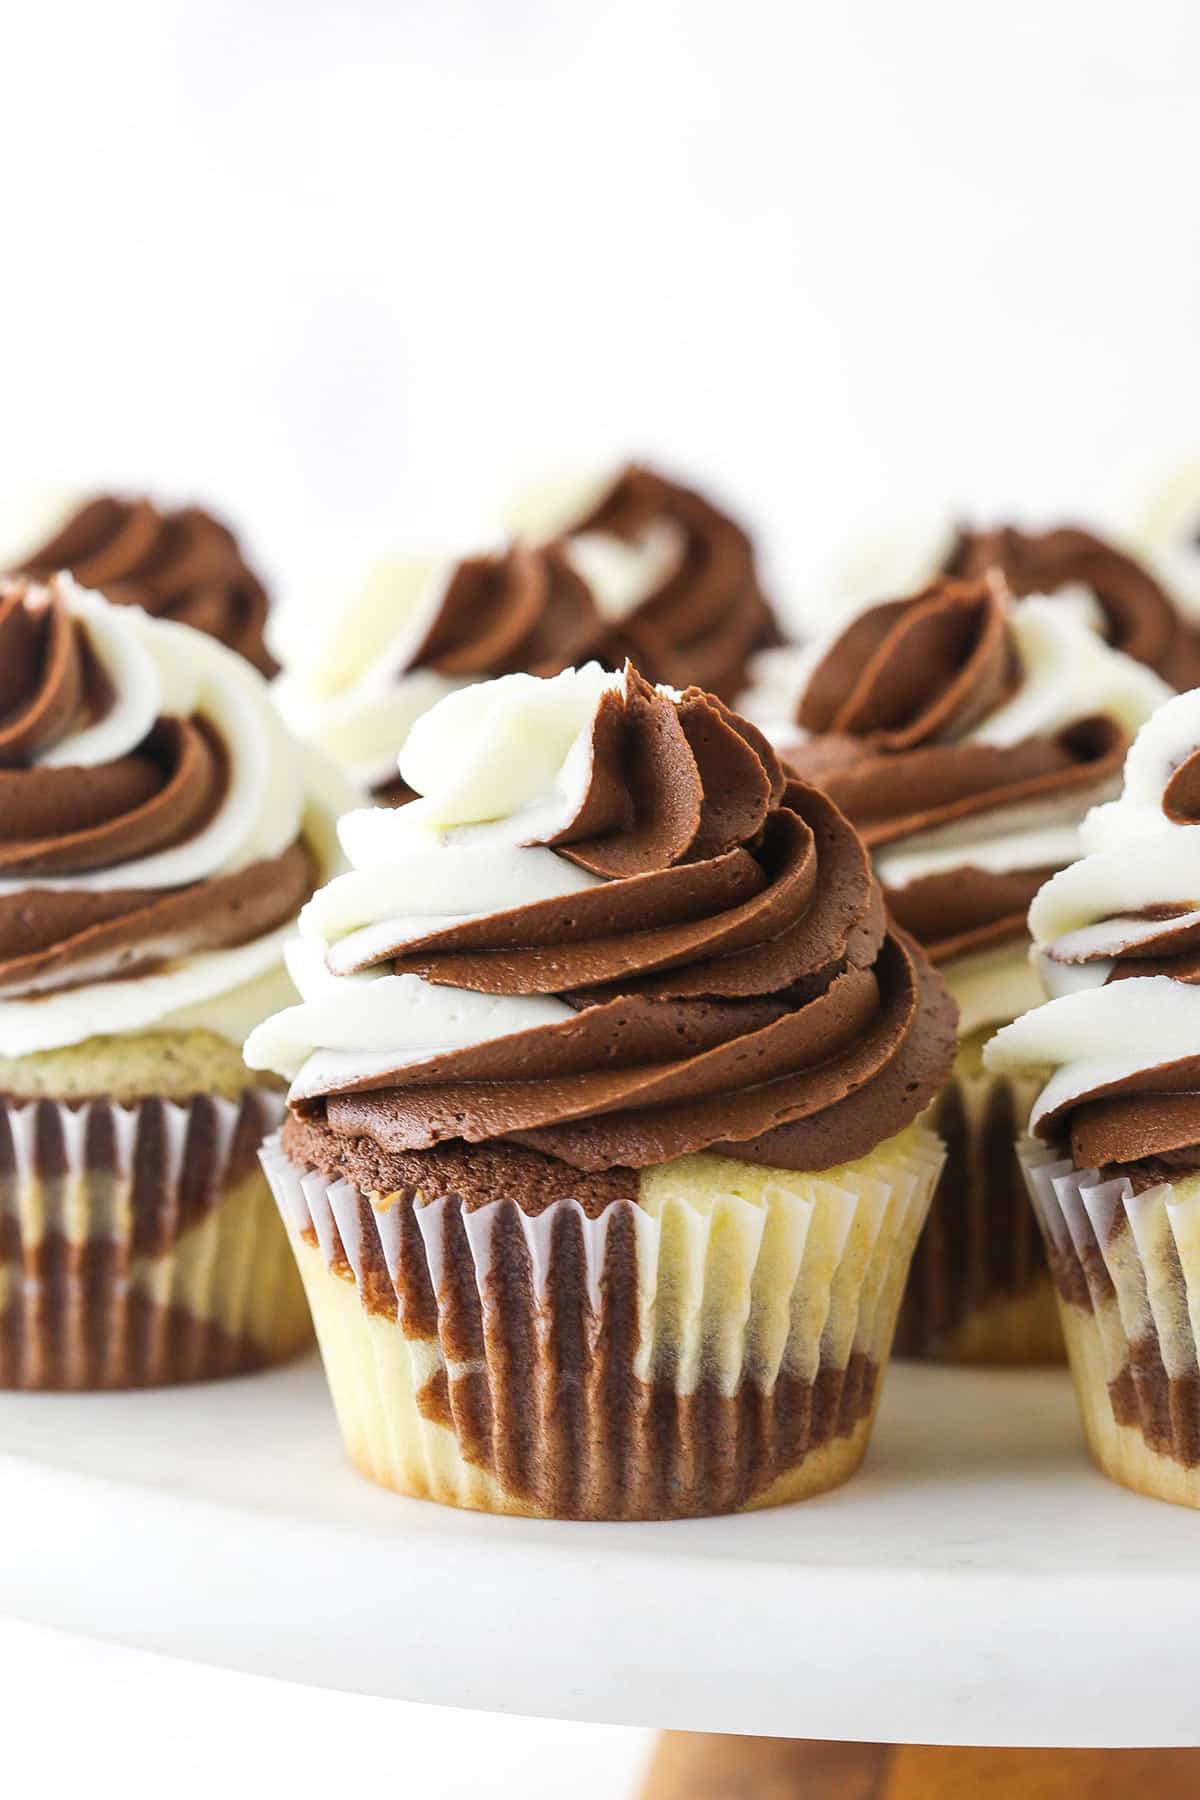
[275, 793]
[1092, 1031]
[498, 765]
[1164, 531]
[777, 680]
[346, 684]
[29, 520]
[1067, 673]
[554, 505]
[620, 574]
[883, 565]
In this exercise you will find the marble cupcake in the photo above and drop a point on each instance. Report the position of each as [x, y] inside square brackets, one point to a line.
[966, 735]
[176, 563]
[157, 839]
[1113, 1164]
[603, 1163]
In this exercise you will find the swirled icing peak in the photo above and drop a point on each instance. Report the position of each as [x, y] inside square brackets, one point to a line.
[157, 832]
[1136, 615]
[1117, 939]
[678, 947]
[358, 678]
[662, 556]
[966, 734]
[177, 563]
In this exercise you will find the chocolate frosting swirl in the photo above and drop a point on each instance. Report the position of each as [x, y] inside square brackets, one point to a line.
[709, 609]
[905, 709]
[179, 563]
[76, 836]
[1118, 938]
[1138, 616]
[726, 977]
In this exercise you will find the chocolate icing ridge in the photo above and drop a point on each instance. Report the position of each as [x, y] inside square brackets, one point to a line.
[178, 563]
[889, 704]
[1140, 619]
[767, 1009]
[710, 607]
[59, 821]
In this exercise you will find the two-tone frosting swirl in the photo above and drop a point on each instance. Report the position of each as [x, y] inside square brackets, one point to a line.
[613, 931]
[664, 558]
[966, 736]
[158, 832]
[1117, 939]
[1135, 614]
[357, 678]
[177, 563]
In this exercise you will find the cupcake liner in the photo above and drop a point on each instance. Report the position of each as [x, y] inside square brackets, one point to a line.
[714, 1345]
[979, 1290]
[139, 1244]
[1126, 1268]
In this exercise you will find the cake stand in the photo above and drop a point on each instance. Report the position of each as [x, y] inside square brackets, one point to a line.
[978, 1583]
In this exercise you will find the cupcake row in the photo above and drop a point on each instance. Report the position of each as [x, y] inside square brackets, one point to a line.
[624, 1081]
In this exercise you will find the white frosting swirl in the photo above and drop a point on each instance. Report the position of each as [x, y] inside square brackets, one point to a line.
[500, 765]
[1165, 532]
[346, 684]
[1092, 1031]
[621, 573]
[274, 793]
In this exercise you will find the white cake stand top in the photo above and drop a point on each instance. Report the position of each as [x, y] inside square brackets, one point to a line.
[977, 1583]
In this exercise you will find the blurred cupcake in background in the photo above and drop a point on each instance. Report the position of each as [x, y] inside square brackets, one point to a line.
[1114, 1163]
[966, 735]
[1130, 602]
[158, 836]
[178, 563]
[662, 557]
[1164, 529]
[357, 677]
[629, 566]
[1127, 605]
[603, 1163]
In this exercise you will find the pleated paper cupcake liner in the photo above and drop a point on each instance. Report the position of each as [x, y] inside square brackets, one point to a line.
[139, 1244]
[980, 1291]
[716, 1344]
[1126, 1268]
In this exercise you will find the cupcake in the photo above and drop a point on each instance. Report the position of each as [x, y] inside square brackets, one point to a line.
[603, 1161]
[357, 678]
[1113, 1164]
[157, 840]
[966, 735]
[177, 563]
[664, 558]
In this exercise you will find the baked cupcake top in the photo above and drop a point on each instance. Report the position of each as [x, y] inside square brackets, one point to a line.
[682, 948]
[356, 679]
[1117, 945]
[966, 735]
[662, 557]
[177, 563]
[158, 829]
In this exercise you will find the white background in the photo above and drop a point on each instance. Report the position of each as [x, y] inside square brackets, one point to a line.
[343, 269]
